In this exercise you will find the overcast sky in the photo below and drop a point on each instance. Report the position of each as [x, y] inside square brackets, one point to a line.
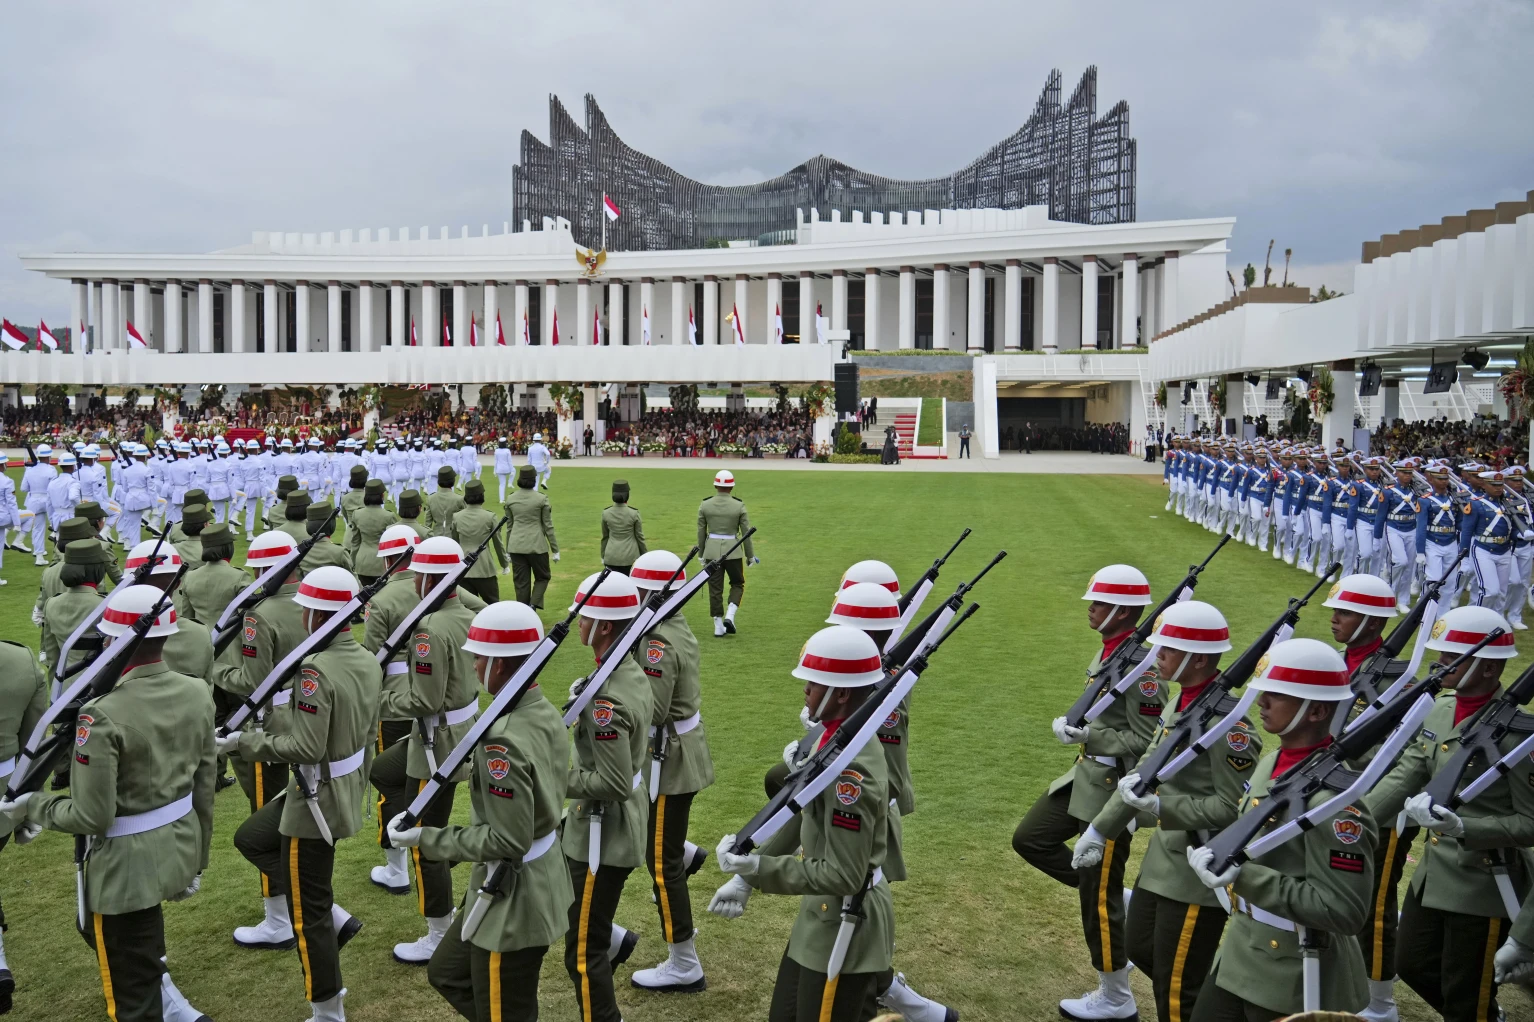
[182, 127]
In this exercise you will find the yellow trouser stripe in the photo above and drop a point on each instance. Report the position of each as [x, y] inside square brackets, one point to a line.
[582, 932]
[495, 986]
[101, 963]
[1180, 964]
[828, 998]
[660, 868]
[1493, 941]
[380, 738]
[1384, 870]
[415, 853]
[1105, 874]
[259, 770]
[298, 919]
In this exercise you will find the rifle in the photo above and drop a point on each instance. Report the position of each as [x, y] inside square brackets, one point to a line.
[433, 600]
[1193, 734]
[264, 587]
[30, 453]
[1114, 675]
[1481, 736]
[140, 574]
[914, 596]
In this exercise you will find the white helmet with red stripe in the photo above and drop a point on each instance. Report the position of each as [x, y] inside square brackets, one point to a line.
[876, 572]
[436, 555]
[1369, 595]
[170, 561]
[1120, 584]
[865, 605]
[507, 628]
[1305, 669]
[616, 599]
[840, 657]
[654, 569]
[1463, 627]
[396, 540]
[724, 478]
[269, 548]
[329, 588]
[1193, 626]
[126, 605]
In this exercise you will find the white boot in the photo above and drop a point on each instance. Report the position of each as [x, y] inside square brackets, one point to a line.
[393, 877]
[174, 1007]
[680, 973]
[273, 933]
[695, 857]
[620, 945]
[1111, 1000]
[913, 1007]
[346, 924]
[729, 618]
[418, 952]
[1382, 1002]
[328, 1011]
[718, 627]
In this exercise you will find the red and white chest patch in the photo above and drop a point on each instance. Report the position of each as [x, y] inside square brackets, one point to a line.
[849, 787]
[601, 713]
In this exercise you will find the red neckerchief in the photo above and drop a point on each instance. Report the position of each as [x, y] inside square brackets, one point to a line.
[1113, 642]
[1356, 655]
[1289, 757]
[1464, 706]
[90, 585]
[1188, 694]
[830, 726]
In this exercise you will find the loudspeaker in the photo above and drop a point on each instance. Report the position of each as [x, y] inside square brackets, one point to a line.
[846, 382]
[1369, 378]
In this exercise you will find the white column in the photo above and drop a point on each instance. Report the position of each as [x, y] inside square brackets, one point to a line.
[141, 314]
[1089, 302]
[838, 299]
[546, 307]
[646, 309]
[1151, 318]
[107, 332]
[1129, 301]
[429, 330]
[492, 309]
[871, 324]
[77, 302]
[1012, 309]
[460, 314]
[269, 329]
[174, 328]
[333, 298]
[807, 307]
[740, 309]
[237, 316]
[301, 326]
[678, 310]
[96, 320]
[711, 310]
[1392, 394]
[583, 311]
[205, 316]
[774, 306]
[975, 329]
[940, 308]
[1051, 320]
[519, 310]
[615, 310]
[1338, 423]
[366, 295]
[1169, 295]
[907, 331]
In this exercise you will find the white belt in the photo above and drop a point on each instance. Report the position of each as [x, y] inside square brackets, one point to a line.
[463, 713]
[283, 698]
[638, 780]
[350, 765]
[540, 846]
[681, 727]
[139, 823]
[395, 667]
[7, 767]
[721, 535]
[1104, 760]
[1265, 917]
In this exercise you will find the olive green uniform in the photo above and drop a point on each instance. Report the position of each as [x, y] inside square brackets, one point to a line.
[722, 519]
[440, 509]
[368, 523]
[517, 793]
[472, 526]
[622, 537]
[144, 747]
[351, 501]
[51, 584]
[530, 539]
[381, 617]
[325, 553]
[62, 614]
[23, 700]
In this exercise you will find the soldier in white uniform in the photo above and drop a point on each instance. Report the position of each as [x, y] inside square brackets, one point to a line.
[133, 494]
[503, 466]
[538, 457]
[10, 514]
[34, 487]
[219, 490]
[178, 479]
[63, 493]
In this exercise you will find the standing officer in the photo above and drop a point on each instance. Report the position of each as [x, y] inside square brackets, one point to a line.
[444, 504]
[364, 530]
[503, 466]
[326, 734]
[1341, 496]
[722, 519]
[1486, 530]
[530, 539]
[1301, 480]
[23, 699]
[1316, 554]
[1366, 519]
[1110, 745]
[517, 793]
[622, 531]
[141, 793]
[34, 484]
[471, 526]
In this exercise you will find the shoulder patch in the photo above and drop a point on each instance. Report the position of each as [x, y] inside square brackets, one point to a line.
[892, 721]
[601, 713]
[250, 628]
[496, 761]
[1347, 831]
[1347, 862]
[308, 682]
[1238, 740]
[83, 728]
[422, 645]
[655, 651]
[1150, 688]
[849, 787]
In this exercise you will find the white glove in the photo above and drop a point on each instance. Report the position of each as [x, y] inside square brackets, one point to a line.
[1439, 819]
[740, 865]
[575, 687]
[16, 808]
[401, 836]
[1201, 859]
[37, 617]
[804, 718]
[1066, 734]
[730, 900]
[506, 570]
[1147, 803]
[753, 560]
[191, 889]
[27, 832]
[1422, 560]
[228, 744]
[556, 558]
[1089, 850]
[1514, 963]
[791, 754]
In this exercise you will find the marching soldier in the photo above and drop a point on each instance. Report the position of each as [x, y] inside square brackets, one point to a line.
[530, 539]
[132, 491]
[503, 466]
[1401, 510]
[622, 531]
[324, 552]
[471, 526]
[365, 528]
[1311, 892]
[207, 591]
[276, 511]
[1110, 745]
[194, 518]
[1456, 915]
[84, 567]
[34, 483]
[1487, 532]
[295, 515]
[444, 504]
[189, 497]
[63, 493]
[70, 530]
[722, 519]
[356, 495]
[23, 699]
[606, 784]
[326, 732]
[1174, 922]
[141, 792]
[409, 507]
[1438, 532]
[188, 648]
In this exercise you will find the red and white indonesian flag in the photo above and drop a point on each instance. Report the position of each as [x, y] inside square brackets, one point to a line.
[644, 324]
[500, 335]
[473, 332]
[692, 328]
[447, 335]
[596, 330]
[610, 207]
[45, 336]
[822, 325]
[527, 338]
[82, 341]
[11, 334]
[777, 330]
[740, 331]
[412, 332]
[134, 340]
[555, 323]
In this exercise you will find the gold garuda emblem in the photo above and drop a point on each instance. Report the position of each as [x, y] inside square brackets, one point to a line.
[591, 260]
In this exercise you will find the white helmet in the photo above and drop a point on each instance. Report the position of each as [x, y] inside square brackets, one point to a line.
[1119, 584]
[724, 478]
[44, 451]
[507, 628]
[287, 443]
[876, 572]
[1306, 669]
[537, 436]
[269, 548]
[139, 556]
[840, 657]
[90, 451]
[222, 448]
[1369, 595]
[865, 605]
[1193, 626]
[66, 458]
[654, 569]
[436, 555]
[1463, 627]
[126, 605]
[329, 588]
[616, 599]
[396, 539]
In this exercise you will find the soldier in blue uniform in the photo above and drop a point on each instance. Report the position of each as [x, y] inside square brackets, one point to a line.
[1279, 513]
[1339, 495]
[1301, 479]
[1438, 532]
[1486, 530]
[1402, 511]
[1318, 512]
[1258, 487]
[1230, 474]
[1366, 519]
[1516, 499]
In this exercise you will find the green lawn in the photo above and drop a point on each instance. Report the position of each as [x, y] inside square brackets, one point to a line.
[975, 926]
[930, 427]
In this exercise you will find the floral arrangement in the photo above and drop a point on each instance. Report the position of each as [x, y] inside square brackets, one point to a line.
[1322, 394]
[1217, 397]
[1518, 383]
[816, 398]
[1161, 395]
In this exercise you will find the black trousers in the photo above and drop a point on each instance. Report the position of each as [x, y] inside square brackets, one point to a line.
[1378, 937]
[486, 587]
[775, 779]
[1446, 958]
[964, 447]
[301, 870]
[1174, 944]
[736, 569]
[260, 841]
[1219, 1005]
[486, 986]
[668, 868]
[800, 995]
[128, 951]
[389, 733]
[434, 877]
[1040, 840]
[367, 580]
[530, 577]
[5, 839]
[590, 935]
[622, 569]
